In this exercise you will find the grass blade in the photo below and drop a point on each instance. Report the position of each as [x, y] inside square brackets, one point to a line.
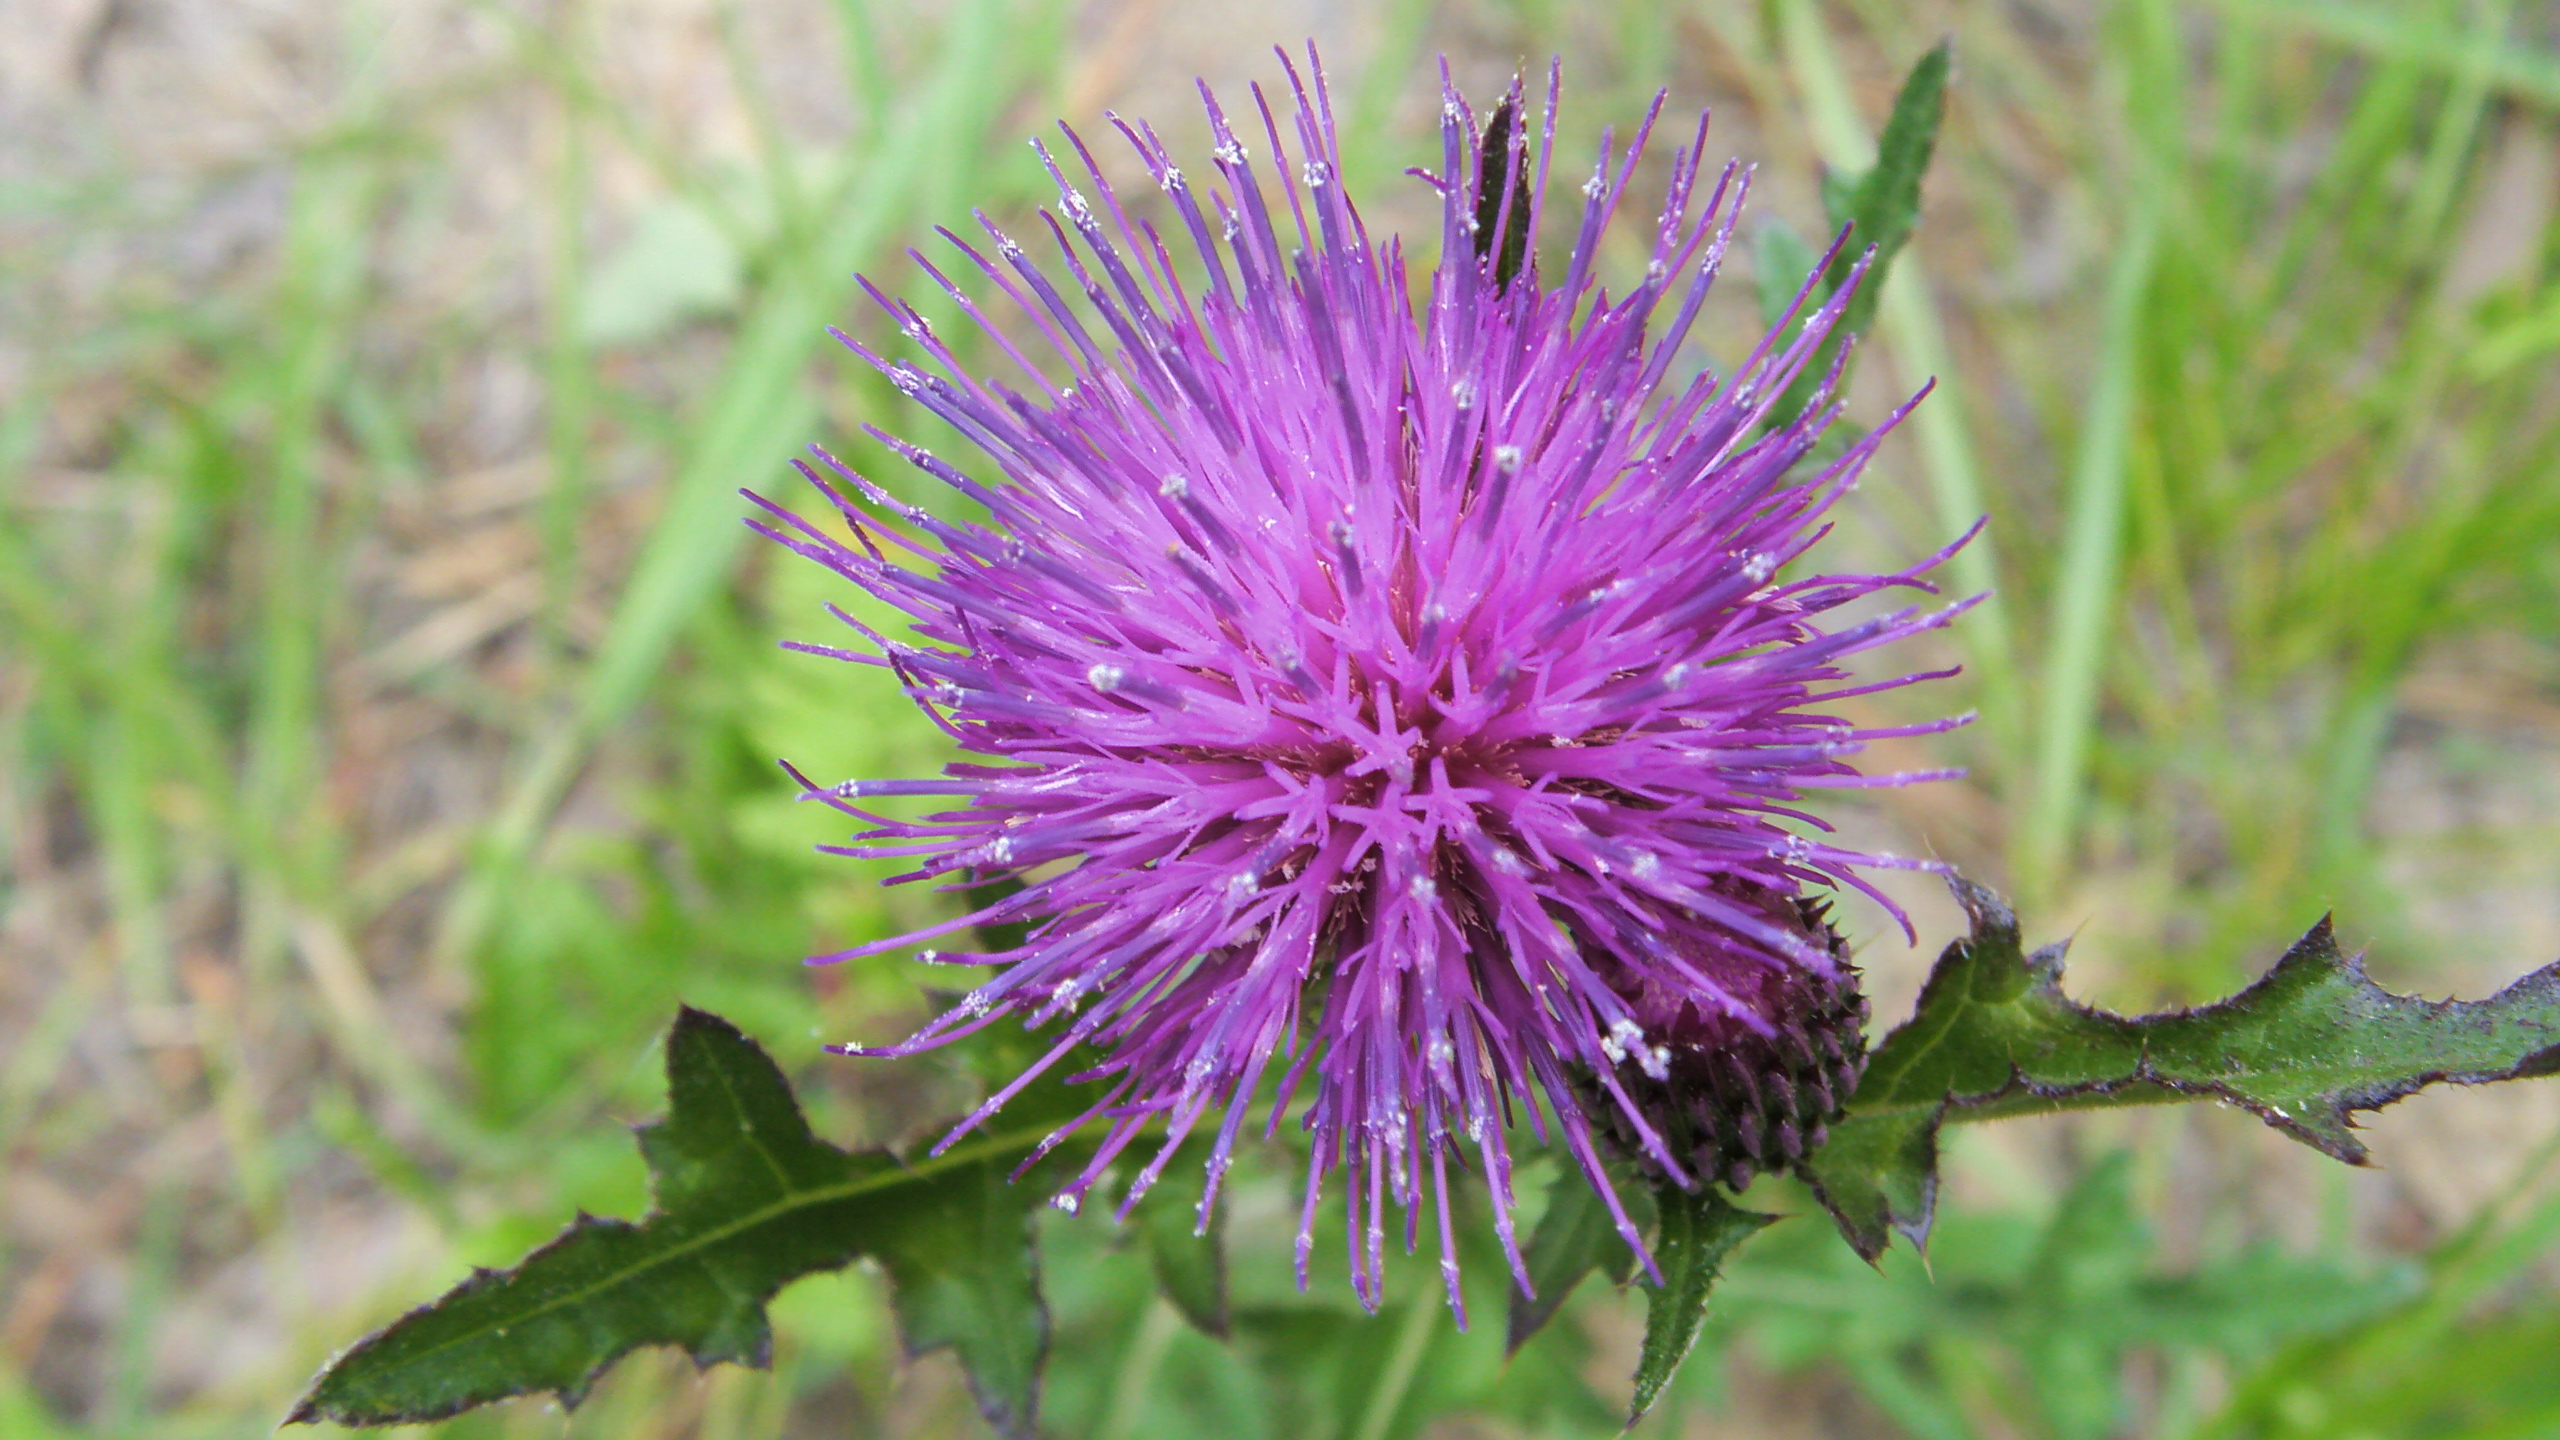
[2084, 601]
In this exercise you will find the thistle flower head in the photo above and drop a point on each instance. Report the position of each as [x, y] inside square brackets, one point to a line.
[1391, 695]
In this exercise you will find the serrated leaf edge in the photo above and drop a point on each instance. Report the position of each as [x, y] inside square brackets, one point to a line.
[985, 1145]
[1987, 912]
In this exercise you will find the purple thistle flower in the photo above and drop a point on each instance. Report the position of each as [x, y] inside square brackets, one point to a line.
[1393, 693]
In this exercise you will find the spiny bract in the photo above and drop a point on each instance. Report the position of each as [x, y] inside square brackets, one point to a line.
[1397, 691]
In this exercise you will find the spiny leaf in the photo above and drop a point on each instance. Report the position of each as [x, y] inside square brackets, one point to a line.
[1881, 207]
[747, 1200]
[1698, 1231]
[1885, 205]
[1878, 1174]
[2312, 1042]
[964, 1275]
[1574, 1237]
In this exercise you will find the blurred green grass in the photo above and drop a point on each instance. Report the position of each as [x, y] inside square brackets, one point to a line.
[390, 703]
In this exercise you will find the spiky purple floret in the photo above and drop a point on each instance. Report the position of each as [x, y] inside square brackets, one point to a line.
[1395, 688]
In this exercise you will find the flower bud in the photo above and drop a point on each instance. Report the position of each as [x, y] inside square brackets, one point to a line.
[1731, 1098]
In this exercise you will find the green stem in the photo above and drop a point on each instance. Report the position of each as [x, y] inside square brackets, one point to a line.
[1156, 1332]
[1412, 1337]
[2084, 602]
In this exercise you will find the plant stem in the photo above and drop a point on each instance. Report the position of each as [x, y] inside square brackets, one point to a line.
[1412, 1337]
[1156, 1331]
[2084, 602]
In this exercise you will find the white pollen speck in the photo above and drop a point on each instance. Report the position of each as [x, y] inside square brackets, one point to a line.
[1646, 865]
[999, 850]
[1655, 1062]
[1759, 565]
[1174, 487]
[1078, 210]
[1314, 174]
[1243, 883]
[1592, 188]
[1654, 271]
[1231, 153]
[1506, 458]
[1462, 393]
[975, 1004]
[1105, 677]
[1424, 889]
[1172, 181]
[1508, 863]
[1624, 1035]
[1068, 1201]
[1677, 677]
[928, 956]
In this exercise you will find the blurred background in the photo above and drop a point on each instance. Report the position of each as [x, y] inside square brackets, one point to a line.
[389, 696]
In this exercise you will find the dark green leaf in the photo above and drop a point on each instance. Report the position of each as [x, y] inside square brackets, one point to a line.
[963, 1274]
[1574, 1237]
[1191, 1268]
[1839, 200]
[1878, 1174]
[1884, 208]
[747, 1200]
[1698, 1231]
[2304, 1048]
[1881, 207]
